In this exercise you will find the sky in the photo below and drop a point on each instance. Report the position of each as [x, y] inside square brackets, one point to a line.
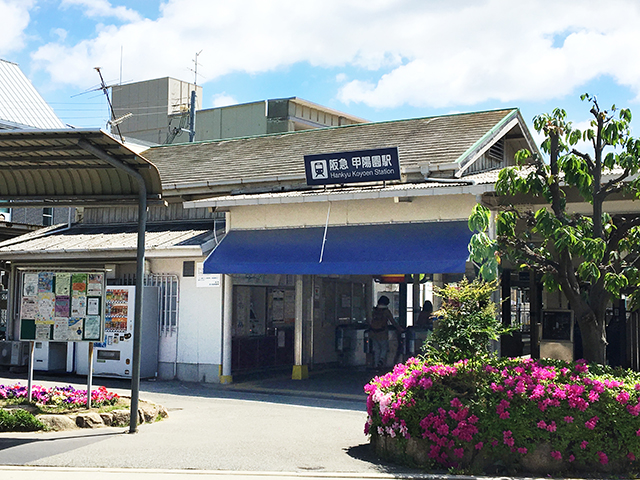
[376, 59]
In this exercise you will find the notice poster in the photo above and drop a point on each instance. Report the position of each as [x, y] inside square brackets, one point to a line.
[93, 306]
[79, 284]
[45, 282]
[61, 329]
[63, 306]
[30, 284]
[46, 308]
[92, 327]
[63, 284]
[75, 329]
[29, 308]
[94, 284]
[78, 306]
[43, 332]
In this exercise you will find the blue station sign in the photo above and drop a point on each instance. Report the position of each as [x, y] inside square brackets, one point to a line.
[350, 167]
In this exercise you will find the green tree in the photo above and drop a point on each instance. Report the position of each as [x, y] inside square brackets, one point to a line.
[591, 257]
[466, 322]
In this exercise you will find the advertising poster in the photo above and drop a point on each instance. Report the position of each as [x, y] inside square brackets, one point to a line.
[94, 284]
[75, 329]
[45, 282]
[79, 284]
[29, 308]
[62, 306]
[92, 327]
[63, 284]
[78, 306]
[46, 308]
[30, 285]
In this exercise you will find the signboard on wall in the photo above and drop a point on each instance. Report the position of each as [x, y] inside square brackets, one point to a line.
[351, 167]
[62, 306]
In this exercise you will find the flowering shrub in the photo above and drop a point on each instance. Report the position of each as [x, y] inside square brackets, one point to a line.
[508, 411]
[64, 398]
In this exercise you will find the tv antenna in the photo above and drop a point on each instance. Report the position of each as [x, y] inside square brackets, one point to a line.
[113, 122]
[195, 70]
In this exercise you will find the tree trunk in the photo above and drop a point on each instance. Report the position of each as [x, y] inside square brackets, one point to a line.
[594, 340]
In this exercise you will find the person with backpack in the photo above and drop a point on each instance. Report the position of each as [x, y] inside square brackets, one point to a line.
[381, 318]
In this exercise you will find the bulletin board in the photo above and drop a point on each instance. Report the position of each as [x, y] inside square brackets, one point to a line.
[62, 306]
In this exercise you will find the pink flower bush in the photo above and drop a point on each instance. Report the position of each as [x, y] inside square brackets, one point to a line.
[506, 408]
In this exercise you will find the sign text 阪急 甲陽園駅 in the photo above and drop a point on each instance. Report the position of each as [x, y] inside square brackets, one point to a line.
[356, 166]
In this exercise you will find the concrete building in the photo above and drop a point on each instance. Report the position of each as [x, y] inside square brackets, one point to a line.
[159, 114]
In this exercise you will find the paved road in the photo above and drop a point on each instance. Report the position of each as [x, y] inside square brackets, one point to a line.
[275, 427]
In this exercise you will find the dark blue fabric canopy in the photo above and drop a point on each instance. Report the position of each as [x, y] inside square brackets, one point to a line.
[435, 247]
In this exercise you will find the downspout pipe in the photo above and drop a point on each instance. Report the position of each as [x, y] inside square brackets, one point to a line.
[142, 226]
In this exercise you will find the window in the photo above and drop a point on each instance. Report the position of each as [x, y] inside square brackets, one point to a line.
[47, 216]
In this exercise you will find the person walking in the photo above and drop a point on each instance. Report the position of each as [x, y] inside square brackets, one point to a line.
[381, 318]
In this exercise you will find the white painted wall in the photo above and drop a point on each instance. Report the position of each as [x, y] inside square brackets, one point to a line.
[200, 317]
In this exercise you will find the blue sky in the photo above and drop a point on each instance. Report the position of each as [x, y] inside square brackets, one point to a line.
[377, 59]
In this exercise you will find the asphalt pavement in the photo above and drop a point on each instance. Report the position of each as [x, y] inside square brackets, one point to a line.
[257, 427]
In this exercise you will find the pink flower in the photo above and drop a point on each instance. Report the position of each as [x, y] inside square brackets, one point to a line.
[623, 397]
[591, 423]
[571, 458]
[459, 452]
[522, 450]
[584, 444]
[479, 445]
[603, 458]
[556, 454]
[456, 403]
[568, 419]
[631, 456]
[542, 424]
[551, 427]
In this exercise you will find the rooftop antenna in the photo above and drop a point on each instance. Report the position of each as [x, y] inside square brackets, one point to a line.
[192, 111]
[113, 121]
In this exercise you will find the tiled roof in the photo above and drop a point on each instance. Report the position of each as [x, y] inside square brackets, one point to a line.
[21, 106]
[111, 239]
[436, 140]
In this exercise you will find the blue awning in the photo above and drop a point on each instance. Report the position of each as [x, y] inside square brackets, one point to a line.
[435, 247]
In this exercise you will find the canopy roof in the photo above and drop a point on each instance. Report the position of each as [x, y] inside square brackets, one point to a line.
[71, 167]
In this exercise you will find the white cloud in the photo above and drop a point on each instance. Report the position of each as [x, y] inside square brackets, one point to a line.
[102, 8]
[15, 19]
[416, 52]
[223, 100]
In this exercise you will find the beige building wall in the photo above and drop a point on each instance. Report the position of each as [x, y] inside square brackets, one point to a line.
[420, 209]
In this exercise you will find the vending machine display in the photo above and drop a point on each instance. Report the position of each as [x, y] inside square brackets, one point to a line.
[114, 356]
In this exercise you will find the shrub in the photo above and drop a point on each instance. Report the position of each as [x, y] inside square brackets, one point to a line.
[508, 411]
[19, 420]
[466, 322]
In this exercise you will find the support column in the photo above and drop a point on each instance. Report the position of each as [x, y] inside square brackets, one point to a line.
[416, 298]
[300, 371]
[227, 317]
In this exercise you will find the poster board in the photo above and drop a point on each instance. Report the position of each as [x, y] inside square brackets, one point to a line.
[62, 306]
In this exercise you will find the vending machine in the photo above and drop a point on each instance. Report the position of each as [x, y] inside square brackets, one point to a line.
[114, 356]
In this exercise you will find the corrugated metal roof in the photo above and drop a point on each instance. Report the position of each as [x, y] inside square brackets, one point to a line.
[442, 140]
[471, 184]
[21, 106]
[93, 241]
[69, 166]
